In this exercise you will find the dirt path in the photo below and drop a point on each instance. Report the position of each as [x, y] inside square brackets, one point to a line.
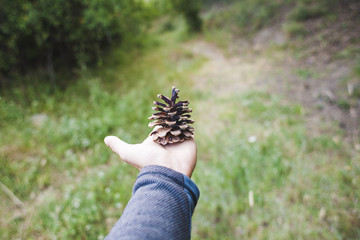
[223, 76]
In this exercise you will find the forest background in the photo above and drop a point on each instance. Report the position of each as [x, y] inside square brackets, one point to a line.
[275, 92]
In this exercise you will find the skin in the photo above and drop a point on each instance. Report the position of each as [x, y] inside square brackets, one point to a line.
[180, 157]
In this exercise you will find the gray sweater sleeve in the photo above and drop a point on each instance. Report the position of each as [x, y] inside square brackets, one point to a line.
[161, 207]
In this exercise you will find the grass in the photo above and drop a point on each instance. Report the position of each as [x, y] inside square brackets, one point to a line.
[240, 19]
[305, 182]
[71, 184]
[240, 13]
[303, 185]
[295, 29]
[306, 9]
[245, 18]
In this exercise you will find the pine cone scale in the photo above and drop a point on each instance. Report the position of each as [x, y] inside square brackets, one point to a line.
[165, 99]
[159, 104]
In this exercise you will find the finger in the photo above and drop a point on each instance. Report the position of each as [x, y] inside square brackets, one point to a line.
[126, 152]
[116, 145]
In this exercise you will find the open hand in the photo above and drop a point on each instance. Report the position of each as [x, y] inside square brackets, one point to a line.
[180, 157]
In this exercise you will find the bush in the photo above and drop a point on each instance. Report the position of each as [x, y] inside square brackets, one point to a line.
[190, 9]
[55, 33]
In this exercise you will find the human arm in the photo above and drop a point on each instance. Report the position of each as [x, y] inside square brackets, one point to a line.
[164, 197]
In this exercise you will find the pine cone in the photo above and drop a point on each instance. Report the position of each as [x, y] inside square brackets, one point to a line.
[171, 120]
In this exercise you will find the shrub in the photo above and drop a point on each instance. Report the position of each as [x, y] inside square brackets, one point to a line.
[190, 9]
[55, 33]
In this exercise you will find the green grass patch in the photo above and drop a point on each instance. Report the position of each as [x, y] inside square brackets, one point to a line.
[263, 146]
[295, 29]
[247, 16]
[72, 186]
[307, 9]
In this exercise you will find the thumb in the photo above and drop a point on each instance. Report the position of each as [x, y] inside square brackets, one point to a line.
[126, 152]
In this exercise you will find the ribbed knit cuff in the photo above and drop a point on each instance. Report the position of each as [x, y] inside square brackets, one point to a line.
[180, 179]
[192, 191]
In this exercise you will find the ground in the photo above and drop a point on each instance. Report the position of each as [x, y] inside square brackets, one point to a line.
[279, 72]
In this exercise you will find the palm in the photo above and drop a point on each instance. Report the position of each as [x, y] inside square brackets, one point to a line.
[180, 157]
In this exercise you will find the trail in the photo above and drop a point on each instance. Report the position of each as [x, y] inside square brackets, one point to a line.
[251, 68]
[218, 83]
[222, 75]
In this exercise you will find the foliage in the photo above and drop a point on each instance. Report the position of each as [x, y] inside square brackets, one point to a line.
[190, 9]
[61, 34]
